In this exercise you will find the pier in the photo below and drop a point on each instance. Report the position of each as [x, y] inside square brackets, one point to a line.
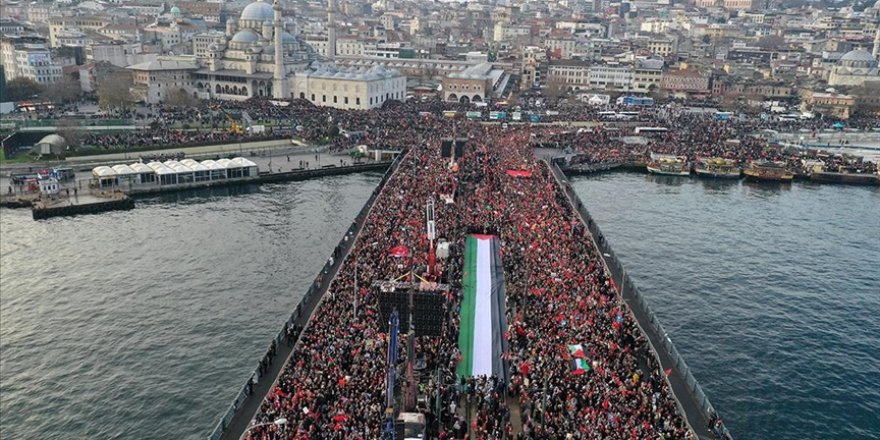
[98, 202]
[682, 403]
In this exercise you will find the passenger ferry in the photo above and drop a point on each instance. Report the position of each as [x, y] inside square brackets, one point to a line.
[668, 165]
[766, 171]
[717, 168]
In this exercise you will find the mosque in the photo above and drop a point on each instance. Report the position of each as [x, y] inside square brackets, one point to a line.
[260, 56]
[854, 68]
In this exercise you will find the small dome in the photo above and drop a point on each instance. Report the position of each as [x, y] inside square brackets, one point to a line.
[54, 140]
[286, 38]
[175, 10]
[245, 36]
[258, 10]
[857, 55]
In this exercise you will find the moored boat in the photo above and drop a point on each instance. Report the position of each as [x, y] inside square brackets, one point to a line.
[766, 171]
[717, 168]
[668, 165]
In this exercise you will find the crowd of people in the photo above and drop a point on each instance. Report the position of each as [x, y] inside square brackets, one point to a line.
[558, 294]
[691, 132]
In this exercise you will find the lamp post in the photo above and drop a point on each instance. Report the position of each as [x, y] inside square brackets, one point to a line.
[278, 422]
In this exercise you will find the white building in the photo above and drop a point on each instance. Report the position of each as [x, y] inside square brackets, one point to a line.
[351, 88]
[118, 53]
[28, 57]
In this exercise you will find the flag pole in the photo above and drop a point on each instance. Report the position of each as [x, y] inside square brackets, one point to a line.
[355, 299]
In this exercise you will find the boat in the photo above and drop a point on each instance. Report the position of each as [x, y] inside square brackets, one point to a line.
[767, 171]
[846, 175]
[717, 168]
[668, 165]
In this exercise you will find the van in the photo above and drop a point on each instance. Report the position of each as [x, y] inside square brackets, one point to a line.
[413, 425]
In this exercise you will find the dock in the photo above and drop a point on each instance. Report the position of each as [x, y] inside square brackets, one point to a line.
[121, 197]
[97, 202]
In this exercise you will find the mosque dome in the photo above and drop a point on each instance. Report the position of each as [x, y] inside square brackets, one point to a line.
[175, 10]
[286, 38]
[857, 58]
[245, 36]
[258, 11]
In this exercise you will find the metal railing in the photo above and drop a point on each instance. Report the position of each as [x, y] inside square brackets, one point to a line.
[318, 287]
[640, 308]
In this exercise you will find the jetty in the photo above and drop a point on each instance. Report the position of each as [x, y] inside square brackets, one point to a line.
[263, 406]
[90, 203]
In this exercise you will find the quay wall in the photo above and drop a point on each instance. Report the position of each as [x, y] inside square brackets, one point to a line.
[690, 397]
[235, 421]
[116, 204]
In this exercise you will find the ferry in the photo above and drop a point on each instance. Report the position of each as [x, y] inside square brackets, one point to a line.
[668, 165]
[717, 168]
[766, 171]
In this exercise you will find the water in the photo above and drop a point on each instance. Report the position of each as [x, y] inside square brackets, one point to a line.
[144, 324]
[771, 294]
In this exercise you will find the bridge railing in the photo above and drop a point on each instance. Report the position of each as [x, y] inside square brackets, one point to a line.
[316, 288]
[638, 304]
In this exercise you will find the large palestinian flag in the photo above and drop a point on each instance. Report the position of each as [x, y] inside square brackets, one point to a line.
[483, 322]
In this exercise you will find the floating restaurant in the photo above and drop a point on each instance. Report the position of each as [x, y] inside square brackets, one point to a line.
[172, 172]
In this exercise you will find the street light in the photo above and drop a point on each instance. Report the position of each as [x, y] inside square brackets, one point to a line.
[278, 422]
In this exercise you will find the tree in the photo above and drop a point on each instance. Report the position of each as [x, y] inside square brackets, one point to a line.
[114, 92]
[180, 98]
[554, 90]
[70, 130]
[21, 88]
[65, 90]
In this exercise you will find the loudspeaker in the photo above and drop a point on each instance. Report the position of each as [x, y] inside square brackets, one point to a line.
[427, 311]
[446, 149]
[459, 147]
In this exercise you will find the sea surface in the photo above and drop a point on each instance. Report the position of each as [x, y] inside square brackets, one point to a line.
[771, 294]
[144, 324]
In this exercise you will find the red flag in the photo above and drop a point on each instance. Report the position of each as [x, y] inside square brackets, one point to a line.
[399, 251]
[668, 371]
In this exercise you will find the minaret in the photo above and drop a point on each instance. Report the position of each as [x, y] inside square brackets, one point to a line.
[876, 52]
[279, 86]
[331, 29]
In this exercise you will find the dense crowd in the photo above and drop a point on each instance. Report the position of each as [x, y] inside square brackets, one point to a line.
[558, 294]
[694, 138]
[691, 131]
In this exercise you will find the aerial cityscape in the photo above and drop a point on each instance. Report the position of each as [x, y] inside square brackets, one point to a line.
[401, 220]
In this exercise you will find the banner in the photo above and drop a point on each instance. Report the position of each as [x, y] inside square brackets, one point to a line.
[483, 321]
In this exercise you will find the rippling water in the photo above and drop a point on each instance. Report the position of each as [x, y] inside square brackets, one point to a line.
[771, 294]
[144, 324]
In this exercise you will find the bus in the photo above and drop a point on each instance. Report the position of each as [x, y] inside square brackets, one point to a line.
[32, 106]
[627, 115]
[650, 130]
[723, 116]
[639, 101]
[607, 115]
